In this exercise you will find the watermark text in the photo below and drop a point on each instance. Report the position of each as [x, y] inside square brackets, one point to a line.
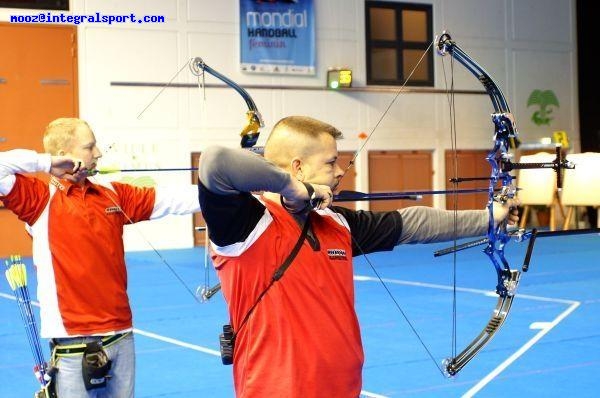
[47, 17]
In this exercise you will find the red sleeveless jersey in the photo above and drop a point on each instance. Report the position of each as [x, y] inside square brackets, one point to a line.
[306, 325]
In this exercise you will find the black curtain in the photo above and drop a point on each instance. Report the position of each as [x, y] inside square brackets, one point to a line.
[589, 85]
[589, 77]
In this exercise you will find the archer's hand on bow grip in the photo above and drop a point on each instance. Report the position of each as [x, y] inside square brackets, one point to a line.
[507, 210]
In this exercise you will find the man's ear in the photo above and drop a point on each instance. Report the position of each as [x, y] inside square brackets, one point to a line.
[296, 169]
[60, 152]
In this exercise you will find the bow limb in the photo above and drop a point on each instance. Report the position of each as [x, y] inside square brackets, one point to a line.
[505, 133]
[249, 136]
[250, 132]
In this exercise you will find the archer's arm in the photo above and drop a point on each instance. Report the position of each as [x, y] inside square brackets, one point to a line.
[381, 231]
[226, 171]
[227, 178]
[24, 195]
[425, 224]
[23, 161]
[20, 161]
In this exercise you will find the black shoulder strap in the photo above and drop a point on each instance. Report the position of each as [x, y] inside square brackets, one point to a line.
[288, 261]
[280, 271]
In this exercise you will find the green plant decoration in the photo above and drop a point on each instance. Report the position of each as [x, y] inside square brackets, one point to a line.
[545, 99]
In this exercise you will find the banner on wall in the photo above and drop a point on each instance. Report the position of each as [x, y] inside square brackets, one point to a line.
[277, 36]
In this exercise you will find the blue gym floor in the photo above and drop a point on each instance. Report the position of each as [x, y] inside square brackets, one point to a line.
[548, 347]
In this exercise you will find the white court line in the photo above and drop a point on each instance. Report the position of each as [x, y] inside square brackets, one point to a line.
[364, 393]
[190, 346]
[544, 327]
[148, 334]
[217, 353]
[177, 342]
[8, 296]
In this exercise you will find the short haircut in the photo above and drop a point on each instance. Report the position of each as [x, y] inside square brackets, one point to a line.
[307, 126]
[59, 132]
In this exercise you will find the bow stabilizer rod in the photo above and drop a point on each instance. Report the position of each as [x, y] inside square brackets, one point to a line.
[520, 235]
[558, 164]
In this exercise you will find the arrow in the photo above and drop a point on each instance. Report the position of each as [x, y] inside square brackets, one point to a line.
[351, 196]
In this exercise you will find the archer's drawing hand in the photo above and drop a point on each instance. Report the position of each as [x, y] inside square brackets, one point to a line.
[322, 198]
[300, 197]
[63, 166]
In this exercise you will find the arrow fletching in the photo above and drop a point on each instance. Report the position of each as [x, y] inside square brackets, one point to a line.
[16, 273]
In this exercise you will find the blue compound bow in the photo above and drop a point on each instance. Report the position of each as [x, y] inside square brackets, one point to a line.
[505, 135]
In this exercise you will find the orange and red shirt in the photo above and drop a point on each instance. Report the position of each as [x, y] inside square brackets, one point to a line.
[78, 247]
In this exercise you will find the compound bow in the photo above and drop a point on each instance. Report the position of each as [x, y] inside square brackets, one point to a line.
[505, 135]
[500, 189]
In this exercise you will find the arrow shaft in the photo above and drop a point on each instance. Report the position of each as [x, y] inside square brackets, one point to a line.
[347, 196]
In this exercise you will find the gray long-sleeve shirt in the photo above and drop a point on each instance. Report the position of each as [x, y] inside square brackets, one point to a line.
[232, 172]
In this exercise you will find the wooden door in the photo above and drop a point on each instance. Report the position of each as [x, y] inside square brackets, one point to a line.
[469, 163]
[393, 171]
[38, 83]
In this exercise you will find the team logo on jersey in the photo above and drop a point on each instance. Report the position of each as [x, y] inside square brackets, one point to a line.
[336, 254]
[113, 209]
[57, 183]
